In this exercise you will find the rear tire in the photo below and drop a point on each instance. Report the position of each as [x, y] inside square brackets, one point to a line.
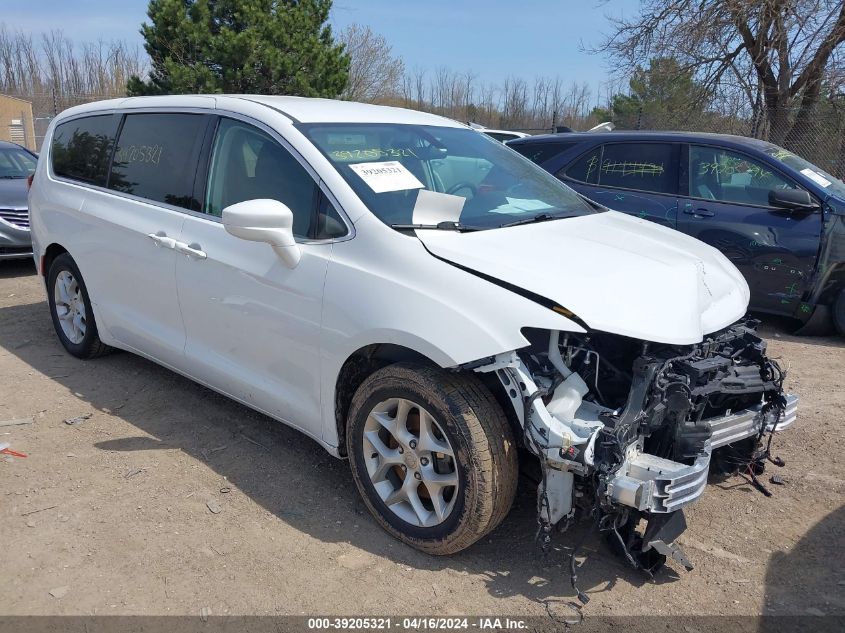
[70, 309]
[440, 421]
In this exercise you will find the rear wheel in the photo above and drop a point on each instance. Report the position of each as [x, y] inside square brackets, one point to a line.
[432, 455]
[70, 309]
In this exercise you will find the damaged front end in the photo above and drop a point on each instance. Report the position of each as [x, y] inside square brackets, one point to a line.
[627, 431]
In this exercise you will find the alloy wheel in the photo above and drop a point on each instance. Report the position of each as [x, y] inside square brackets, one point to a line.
[410, 462]
[70, 306]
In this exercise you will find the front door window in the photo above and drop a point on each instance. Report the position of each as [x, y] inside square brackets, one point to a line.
[726, 176]
[247, 164]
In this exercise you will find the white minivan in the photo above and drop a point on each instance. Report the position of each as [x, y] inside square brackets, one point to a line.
[416, 297]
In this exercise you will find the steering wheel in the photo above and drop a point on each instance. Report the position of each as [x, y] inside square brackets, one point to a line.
[462, 185]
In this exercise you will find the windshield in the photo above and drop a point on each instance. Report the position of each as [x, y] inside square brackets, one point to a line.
[16, 163]
[388, 165]
[829, 183]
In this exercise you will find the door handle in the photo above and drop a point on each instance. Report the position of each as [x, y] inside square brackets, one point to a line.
[699, 213]
[191, 250]
[161, 239]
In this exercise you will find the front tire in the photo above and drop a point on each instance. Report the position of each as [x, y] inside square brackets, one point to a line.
[839, 313]
[432, 455]
[70, 309]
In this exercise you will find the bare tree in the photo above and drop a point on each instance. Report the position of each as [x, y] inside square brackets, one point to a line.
[487, 111]
[514, 102]
[419, 87]
[518, 104]
[777, 52]
[54, 66]
[414, 89]
[54, 73]
[375, 73]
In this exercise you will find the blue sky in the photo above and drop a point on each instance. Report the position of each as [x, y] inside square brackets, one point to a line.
[493, 38]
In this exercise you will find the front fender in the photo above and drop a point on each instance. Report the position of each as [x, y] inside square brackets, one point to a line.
[418, 302]
[830, 270]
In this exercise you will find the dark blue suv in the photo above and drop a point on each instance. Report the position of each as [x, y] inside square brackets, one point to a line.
[777, 217]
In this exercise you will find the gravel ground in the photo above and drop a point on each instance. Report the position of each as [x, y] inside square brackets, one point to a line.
[170, 499]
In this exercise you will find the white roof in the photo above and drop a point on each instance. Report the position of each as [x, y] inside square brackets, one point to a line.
[298, 109]
[308, 110]
[517, 134]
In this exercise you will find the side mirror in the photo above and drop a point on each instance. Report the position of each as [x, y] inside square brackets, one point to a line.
[792, 199]
[267, 221]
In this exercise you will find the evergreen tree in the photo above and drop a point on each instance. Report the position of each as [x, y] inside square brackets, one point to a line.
[242, 46]
[659, 94]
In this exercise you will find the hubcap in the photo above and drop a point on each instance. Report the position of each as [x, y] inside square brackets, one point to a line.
[411, 463]
[70, 307]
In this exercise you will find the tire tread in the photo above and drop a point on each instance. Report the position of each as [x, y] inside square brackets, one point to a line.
[94, 348]
[490, 439]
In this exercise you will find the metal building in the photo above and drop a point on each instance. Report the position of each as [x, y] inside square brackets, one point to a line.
[16, 123]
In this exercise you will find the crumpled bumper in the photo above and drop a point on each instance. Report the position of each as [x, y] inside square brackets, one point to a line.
[737, 426]
[654, 484]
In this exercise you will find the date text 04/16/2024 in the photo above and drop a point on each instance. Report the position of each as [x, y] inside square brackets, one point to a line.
[417, 623]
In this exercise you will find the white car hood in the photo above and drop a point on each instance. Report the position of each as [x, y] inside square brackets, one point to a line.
[617, 273]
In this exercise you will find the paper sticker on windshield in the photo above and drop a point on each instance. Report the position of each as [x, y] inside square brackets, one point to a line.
[520, 205]
[387, 176]
[816, 177]
[433, 207]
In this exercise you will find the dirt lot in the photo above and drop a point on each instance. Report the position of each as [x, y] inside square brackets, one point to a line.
[111, 514]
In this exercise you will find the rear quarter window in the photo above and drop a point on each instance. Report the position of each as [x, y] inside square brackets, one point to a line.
[81, 148]
[585, 168]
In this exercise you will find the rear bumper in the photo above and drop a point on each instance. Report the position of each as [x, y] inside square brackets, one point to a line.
[653, 484]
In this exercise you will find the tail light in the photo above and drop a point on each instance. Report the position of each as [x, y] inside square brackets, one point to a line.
[29, 181]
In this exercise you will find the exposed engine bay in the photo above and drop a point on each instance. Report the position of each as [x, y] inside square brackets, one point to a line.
[627, 431]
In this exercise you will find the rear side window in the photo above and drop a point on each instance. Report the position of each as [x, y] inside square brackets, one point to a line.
[541, 152]
[640, 166]
[156, 157]
[81, 148]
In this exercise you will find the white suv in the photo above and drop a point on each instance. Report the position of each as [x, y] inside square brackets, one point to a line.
[413, 295]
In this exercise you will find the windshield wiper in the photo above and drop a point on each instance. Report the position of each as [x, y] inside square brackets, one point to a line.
[440, 226]
[540, 217]
[12, 177]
